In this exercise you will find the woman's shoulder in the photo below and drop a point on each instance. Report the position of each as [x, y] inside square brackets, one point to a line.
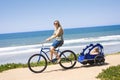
[60, 28]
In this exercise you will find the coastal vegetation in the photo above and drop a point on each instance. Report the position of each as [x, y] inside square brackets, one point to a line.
[111, 73]
[9, 66]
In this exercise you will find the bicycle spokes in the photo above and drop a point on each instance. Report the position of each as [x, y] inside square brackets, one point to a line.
[37, 63]
[68, 59]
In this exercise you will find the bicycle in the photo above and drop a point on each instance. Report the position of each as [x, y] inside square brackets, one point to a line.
[37, 63]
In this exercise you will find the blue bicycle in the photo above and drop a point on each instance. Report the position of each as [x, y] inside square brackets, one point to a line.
[37, 63]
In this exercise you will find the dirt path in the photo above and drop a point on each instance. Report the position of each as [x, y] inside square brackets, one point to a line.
[55, 72]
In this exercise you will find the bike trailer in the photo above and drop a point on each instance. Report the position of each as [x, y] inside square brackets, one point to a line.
[86, 56]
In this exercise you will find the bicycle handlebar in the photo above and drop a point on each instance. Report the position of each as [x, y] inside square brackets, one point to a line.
[43, 43]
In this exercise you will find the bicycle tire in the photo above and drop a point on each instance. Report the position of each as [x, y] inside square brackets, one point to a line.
[36, 64]
[65, 58]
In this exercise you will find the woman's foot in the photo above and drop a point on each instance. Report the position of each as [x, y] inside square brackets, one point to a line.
[54, 60]
[58, 60]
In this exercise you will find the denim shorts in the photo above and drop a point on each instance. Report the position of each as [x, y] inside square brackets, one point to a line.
[57, 43]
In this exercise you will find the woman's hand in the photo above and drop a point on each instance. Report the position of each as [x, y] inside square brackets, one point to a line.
[48, 39]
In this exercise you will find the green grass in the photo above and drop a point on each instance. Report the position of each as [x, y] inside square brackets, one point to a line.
[111, 73]
[19, 65]
[11, 66]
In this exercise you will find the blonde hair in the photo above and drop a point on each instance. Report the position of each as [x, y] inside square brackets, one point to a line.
[96, 49]
[59, 25]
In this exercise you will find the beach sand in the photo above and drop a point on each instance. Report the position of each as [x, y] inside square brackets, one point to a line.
[55, 72]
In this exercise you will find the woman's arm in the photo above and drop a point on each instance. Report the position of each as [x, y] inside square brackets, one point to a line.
[59, 32]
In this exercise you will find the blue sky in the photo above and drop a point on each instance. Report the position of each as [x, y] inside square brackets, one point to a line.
[36, 15]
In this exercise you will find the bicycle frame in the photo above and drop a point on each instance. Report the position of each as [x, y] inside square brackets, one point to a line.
[42, 51]
[43, 58]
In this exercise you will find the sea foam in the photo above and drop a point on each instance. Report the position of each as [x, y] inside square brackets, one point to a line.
[104, 40]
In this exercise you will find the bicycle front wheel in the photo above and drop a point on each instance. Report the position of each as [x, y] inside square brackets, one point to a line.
[37, 63]
[68, 59]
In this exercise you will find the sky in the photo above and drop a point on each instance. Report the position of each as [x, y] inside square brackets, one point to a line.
[37, 15]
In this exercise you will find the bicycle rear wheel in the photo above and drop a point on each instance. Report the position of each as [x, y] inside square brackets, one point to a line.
[37, 63]
[68, 59]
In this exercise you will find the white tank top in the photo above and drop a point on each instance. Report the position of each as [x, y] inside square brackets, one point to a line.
[59, 38]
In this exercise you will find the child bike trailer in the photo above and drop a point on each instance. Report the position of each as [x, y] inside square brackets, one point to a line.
[92, 54]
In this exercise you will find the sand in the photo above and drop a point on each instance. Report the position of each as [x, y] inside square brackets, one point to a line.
[55, 72]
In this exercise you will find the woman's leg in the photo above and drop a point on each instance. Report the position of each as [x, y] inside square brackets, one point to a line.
[52, 51]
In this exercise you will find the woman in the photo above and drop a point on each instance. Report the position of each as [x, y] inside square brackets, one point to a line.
[58, 36]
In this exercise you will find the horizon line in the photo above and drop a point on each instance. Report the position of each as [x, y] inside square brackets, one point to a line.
[53, 29]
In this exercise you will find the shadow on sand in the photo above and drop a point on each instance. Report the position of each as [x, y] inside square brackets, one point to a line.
[83, 66]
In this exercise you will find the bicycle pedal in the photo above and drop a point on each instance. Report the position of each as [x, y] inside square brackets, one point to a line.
[54, 60]
[55, 63]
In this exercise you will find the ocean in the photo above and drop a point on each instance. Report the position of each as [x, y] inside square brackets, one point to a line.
[18, 47]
